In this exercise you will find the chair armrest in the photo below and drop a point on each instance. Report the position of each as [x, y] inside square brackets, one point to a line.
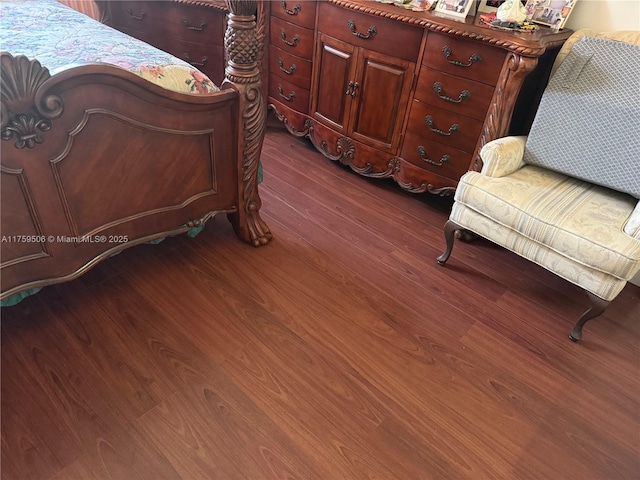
[632, 227]
[502, 156]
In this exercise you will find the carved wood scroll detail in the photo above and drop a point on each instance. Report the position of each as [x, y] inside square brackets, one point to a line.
[346, 151]
[496, 125]
[24, 114]
[244, 46]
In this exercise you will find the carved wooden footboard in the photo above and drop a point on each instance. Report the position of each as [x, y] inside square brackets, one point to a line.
[95, 159]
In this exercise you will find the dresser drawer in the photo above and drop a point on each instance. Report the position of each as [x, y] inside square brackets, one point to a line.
[463, 58]
[294, 69]
[375, 33]
[289, 94]
[291, 38]
[437, 125]
[138, 16]
[300, 12]
[194, 23]
[206, 58]
[442, 159]
[456, 94]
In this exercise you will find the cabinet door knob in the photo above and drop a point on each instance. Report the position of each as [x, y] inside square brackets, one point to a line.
[295, 10]
[371, 32]
[290, 71]
[288, 98]
[443, 160]
[437, 86]
[452, 129]
[291, 43]
[474, 58]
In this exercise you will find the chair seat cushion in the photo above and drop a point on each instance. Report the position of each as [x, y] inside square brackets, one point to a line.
[578, 220]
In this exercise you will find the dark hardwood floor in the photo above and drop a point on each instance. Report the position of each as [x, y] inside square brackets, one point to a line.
[340, 351]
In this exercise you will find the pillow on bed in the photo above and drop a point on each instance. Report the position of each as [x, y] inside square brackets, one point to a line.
[588, 122]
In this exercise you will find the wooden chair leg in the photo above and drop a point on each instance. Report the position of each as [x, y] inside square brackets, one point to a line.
[597, 307]
[449, 235]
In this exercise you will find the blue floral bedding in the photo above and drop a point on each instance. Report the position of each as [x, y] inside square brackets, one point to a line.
[60, 38]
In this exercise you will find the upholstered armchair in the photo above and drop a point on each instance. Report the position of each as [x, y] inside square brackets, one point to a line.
[566, 196]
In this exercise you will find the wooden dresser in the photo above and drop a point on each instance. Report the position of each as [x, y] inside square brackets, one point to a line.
[408, 95]
[192, 30]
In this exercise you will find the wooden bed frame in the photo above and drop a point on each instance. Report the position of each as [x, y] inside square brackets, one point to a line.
[96, 160]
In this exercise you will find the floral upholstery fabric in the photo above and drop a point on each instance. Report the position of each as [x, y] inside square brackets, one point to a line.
[503, 156]
[632, 227]
[571, 227]
[599, 283]
[60, 38]
[584, 233]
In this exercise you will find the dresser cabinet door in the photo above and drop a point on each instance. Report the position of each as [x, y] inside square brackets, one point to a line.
[380, 99]
[336, 68]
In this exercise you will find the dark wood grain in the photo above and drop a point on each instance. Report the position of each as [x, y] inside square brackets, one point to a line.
[106, 178]
[340, 351]
[374, 64]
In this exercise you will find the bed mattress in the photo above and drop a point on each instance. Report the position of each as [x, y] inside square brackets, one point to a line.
[61, 38]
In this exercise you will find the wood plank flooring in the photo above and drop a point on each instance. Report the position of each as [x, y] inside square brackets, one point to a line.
[340, 351]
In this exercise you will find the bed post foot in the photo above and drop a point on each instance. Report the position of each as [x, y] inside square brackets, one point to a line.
[597, 307]
[449, 235]
[251, 228]
[244, 48]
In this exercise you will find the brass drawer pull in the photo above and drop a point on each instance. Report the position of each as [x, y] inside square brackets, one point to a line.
[191, 27]
[464, 94]
[135, 17]
[446, 51]
[443, 160]
[291, 70]
[352, 88]
[452, 129]
[288, 98]
[295, 10]
[291, 43]
[202, 63]
[371, 32]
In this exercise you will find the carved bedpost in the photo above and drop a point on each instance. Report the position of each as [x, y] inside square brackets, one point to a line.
[244, 46]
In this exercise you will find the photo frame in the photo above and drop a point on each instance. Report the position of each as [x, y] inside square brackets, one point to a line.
[454, 8]
[553, 13]
[489, 5]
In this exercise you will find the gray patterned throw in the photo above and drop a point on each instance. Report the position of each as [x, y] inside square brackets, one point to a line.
[588, 122]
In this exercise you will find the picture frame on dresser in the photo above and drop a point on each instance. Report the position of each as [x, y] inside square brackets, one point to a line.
[454, 8]
[489, 5]
[552, 13]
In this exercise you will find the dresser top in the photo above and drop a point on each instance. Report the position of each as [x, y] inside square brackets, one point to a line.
[531, 44]
[218, 4]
